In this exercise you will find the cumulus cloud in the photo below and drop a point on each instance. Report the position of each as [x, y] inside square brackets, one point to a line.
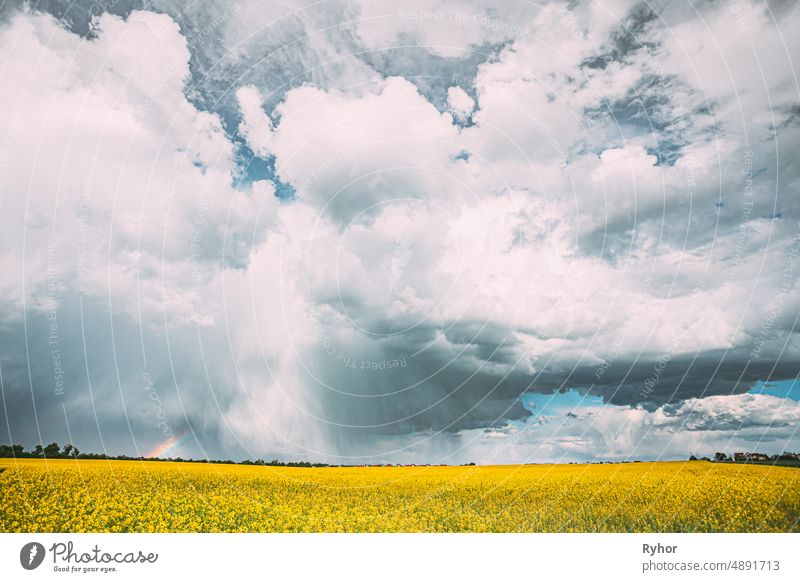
[461, 104]
[348, 155]
[256, 126]
[112, 166]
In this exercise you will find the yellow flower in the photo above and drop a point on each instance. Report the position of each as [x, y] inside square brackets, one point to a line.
[99, 496]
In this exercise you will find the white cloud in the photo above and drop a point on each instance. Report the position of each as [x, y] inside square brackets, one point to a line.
[461, 104]
[113, 168]
[523, 252]
[256, 126]
[346, 155]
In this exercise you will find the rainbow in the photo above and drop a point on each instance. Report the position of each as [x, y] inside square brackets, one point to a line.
[168, 445]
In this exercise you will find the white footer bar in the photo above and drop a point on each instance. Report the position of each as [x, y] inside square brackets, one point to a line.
[388, 557]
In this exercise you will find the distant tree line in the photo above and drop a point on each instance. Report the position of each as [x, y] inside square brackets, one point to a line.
[54, 451]
[276, 463]
[51, 451]
[750, 457]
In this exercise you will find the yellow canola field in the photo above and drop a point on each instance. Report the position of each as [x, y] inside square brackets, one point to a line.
[131, 496]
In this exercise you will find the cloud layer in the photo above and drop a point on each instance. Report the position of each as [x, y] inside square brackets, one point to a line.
[371, 232]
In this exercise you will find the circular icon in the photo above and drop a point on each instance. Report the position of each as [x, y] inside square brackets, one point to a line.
[31, 555]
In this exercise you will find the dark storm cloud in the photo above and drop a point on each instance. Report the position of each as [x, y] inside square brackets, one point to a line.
[437, 391]
[76, 374]
[396, 391]
[672, 378]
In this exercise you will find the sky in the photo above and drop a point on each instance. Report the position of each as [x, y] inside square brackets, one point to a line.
[428, 231]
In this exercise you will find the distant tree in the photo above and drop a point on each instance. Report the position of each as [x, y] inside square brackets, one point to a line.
[720, 457]
[693, 458]
[70, 451]
[52, 450]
